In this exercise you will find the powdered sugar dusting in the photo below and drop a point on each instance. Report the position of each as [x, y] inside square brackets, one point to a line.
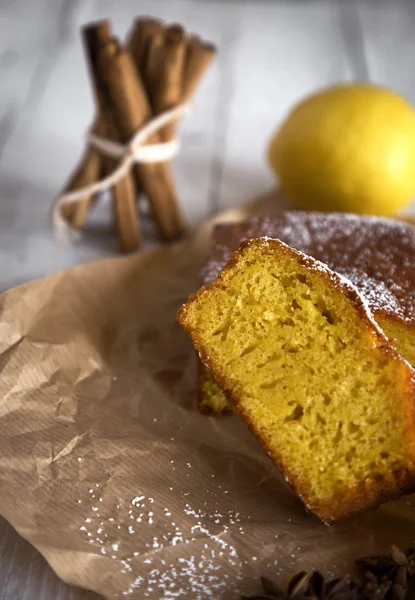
[187, 544]
[376, 255]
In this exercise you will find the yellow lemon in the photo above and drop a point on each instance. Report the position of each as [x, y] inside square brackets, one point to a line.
[348, 148]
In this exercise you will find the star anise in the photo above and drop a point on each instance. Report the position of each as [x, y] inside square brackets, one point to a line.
[388, 577]
[308, 586]
[383, 577]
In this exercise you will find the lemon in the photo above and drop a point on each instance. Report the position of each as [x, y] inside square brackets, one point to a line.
[348, 148]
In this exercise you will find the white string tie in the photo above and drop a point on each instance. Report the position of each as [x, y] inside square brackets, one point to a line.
[134, 152]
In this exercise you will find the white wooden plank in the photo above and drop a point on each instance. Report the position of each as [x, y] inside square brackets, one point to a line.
[389, 43]
[27, 247]
[27, 36]
[281, 52]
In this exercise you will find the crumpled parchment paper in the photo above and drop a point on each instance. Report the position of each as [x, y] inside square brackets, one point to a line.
[108, 470]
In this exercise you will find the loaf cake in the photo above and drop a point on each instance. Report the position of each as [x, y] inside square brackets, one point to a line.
[298, 352]
[376, 254]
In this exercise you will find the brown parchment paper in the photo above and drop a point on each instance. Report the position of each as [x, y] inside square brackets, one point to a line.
[109, 471]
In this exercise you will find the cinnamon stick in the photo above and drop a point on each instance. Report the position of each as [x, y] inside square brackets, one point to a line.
[123, 199]
[124, 194]
[171, 65]
[139, 40]
[166, 89]
[144, 30]
[123, 89]
[199, 55]
[89, 168]
[126, 214]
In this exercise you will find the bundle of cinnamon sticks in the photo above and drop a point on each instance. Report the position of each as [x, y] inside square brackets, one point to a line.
[158, 68]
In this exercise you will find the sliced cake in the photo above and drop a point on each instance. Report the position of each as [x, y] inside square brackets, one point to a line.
[297, 350]
[376, 254]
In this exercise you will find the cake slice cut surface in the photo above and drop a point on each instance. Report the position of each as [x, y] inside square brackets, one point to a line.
[296, 349]
[376, 254]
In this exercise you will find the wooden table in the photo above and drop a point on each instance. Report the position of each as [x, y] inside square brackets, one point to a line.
[271, 54]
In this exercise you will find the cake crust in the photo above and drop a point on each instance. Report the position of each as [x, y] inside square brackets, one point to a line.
[376, 254]
[361, 496]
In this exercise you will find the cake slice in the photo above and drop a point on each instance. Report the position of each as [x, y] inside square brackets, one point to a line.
[301, 357]
[376, 254]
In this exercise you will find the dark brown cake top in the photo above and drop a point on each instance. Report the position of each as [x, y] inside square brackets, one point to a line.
[377, 255]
